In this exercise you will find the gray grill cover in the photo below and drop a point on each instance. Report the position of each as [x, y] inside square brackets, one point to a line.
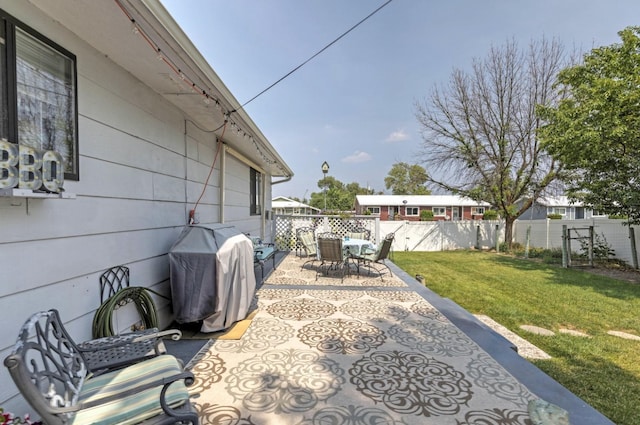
[212, 277]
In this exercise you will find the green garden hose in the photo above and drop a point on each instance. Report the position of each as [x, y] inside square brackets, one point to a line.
[103, 319]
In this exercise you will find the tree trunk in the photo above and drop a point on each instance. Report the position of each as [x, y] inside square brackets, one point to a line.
[508, 230]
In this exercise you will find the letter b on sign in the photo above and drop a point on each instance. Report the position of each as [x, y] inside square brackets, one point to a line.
[30, 168]
[8, 163]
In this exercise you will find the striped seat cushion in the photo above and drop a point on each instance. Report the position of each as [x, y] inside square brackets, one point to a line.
[309, 243]
[132, 408]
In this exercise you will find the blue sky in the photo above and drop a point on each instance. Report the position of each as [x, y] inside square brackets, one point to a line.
[353, 105]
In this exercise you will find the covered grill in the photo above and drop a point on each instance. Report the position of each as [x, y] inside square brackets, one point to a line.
[212, 276]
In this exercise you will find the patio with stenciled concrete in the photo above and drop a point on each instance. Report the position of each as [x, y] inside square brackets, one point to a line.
[360, 351]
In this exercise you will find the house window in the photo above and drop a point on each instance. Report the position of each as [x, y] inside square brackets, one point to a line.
[38, 93]
[439, 211]
[558, 210]
[255, 192]
[412, 211]
[374, 210]
[477, 210]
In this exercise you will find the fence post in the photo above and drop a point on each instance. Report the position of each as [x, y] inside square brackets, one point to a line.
[497, 238]
[478, 237]
[634, 252]
[526, 247]
[564, 246]
[590, 246]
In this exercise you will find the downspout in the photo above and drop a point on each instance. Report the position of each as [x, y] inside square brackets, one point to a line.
[263, 202]
[286, 179]
[223, 166]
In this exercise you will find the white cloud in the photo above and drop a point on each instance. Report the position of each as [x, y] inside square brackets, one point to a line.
[397, 136]
[357, 157]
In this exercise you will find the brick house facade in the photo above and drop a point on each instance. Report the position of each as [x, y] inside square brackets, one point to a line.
[409, 207]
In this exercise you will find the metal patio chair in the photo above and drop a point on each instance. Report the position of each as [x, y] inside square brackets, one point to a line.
[376, 257]
[331, 255]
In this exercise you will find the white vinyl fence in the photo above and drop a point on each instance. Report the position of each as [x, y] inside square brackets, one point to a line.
[463, 234]
[443, 235]
[548, 234]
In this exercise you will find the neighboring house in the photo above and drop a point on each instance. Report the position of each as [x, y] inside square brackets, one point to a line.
[409, 207]
[561, 205]
[286, 206]
[134, 116]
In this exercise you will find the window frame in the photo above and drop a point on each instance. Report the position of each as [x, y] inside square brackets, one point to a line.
[372, 210]
[556, 210]
[255, 192]
[9, 81]
[409, 211]
[439, 211]
[476, 210]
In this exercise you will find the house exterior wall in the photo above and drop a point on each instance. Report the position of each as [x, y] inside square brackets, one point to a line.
[571, 212]
[392, 212]
[142, 167]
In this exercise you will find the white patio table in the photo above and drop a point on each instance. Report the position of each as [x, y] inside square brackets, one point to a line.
[356, 246]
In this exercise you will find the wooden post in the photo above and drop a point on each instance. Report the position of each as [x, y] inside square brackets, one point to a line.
[634, 252]
[478, 237]
[497, 238]
[591, 246]
[565, 261]
[526, 247]
[568, 247]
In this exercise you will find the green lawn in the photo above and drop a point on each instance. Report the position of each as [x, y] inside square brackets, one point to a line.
[603, 370]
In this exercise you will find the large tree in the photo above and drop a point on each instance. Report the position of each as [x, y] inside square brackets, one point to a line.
[595, 131]
[337, 195]
[479, 131]
[407, 179]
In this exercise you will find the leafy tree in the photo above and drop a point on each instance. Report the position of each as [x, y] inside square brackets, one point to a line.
[595, 131]
[339, 197]
[407, 179]
[479, 131]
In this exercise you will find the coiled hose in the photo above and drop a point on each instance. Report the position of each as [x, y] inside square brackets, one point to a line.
[102, 321]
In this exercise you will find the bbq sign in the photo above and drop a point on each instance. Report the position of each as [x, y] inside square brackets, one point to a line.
[25, 167]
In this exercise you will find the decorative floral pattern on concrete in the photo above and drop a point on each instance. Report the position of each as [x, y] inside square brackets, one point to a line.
[291, 272]
[261, 335]
[285, 381]
[301, 309]
[487, 374]
[432, 338]
[411, 383]
[351, 415]
[339, 336]
[374, 310]
[349, 355]
[496, 417]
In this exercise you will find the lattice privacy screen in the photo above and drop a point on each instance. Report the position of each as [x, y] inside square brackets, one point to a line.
[286, 226]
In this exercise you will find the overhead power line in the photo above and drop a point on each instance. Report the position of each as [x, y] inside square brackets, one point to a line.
[312, 57]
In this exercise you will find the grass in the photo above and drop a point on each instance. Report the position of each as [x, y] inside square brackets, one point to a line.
[602, 370]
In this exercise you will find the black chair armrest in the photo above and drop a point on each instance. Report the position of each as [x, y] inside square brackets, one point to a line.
[123, 340]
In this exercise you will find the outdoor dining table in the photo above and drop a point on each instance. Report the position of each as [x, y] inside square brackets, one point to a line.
[356, 247]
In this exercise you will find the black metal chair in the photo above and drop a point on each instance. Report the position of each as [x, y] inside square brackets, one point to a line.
[331, 255]
[108, 351]
[359, 233]
[376, 257]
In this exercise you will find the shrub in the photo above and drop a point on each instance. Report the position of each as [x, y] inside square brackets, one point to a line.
[426, 215]
[554, 216]
[490, 215]
[602, 250]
